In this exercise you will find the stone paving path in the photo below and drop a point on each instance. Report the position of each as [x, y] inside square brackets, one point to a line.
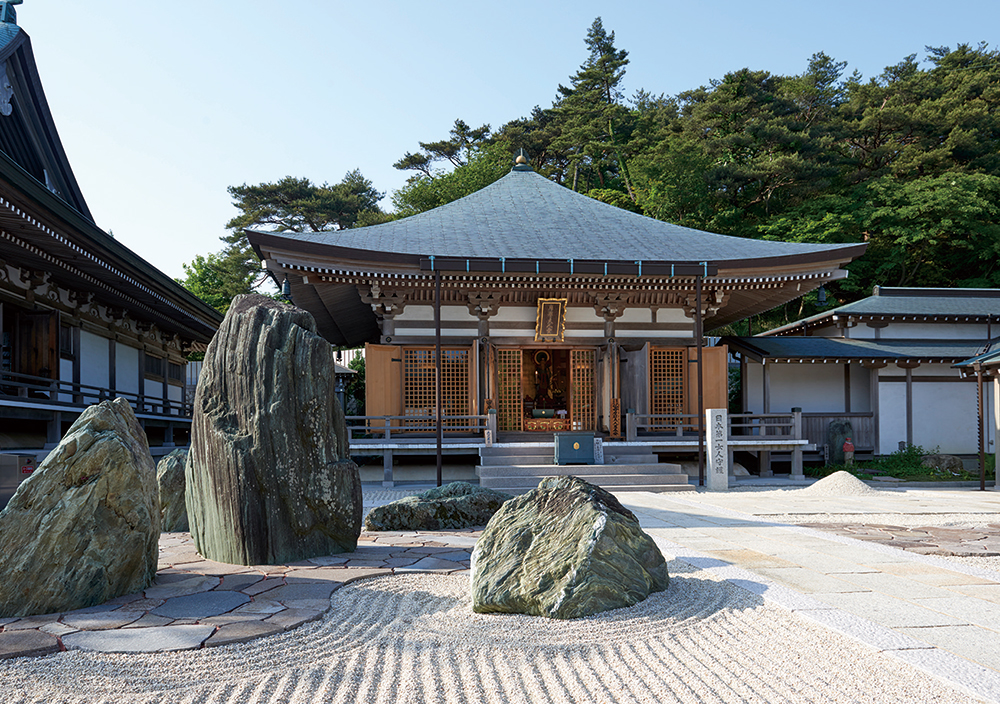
[194, 602]
[981, 541]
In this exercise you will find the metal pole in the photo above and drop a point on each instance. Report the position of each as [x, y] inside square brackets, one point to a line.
[701, 385]
[982, 433]
[437, 365]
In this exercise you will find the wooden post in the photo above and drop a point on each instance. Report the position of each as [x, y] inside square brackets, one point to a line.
[437, 355]
[797, 469]
[982, 424]
[631, 432]
[698, 332]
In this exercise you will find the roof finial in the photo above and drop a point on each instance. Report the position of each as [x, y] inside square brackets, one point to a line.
[7, 13]
[521, 161]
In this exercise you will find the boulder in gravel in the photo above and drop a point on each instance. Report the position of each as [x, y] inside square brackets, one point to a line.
[455, 505]
[943, 463]
[85, 526]
[170, 478]
[564, 550]
[268, 477]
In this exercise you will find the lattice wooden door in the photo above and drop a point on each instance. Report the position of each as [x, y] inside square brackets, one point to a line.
[419, 392]
[666, 384]
[582, 371]
[509, 396]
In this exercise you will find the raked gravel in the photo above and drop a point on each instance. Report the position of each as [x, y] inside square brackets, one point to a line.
[414, 638]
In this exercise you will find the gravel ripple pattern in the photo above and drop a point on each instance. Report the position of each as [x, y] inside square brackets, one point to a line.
[414, 638]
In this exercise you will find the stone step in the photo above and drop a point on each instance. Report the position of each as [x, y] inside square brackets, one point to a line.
[613, 488]
[639, 482]
[630, 458]
[581, 470]
[507, 460]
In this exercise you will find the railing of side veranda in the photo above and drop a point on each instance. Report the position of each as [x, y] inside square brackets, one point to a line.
[772, 426]
[59, 394]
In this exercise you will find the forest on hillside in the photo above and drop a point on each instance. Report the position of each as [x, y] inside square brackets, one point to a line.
[907, 161]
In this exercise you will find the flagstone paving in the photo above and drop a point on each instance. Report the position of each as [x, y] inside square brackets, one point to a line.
[194, 602]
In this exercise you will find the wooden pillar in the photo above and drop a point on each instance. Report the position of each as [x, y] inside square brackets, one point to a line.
[909, 367]
[764, 457]
[77, 362]
[437, 365]
[698, 332]
[847, 387]
[112, 366]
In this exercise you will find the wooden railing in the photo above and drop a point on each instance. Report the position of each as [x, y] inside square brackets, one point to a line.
[741, 425]
[814, 428]
[71, 396]
[383, 427]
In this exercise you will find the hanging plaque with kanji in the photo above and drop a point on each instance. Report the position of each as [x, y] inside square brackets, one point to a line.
[550, 321]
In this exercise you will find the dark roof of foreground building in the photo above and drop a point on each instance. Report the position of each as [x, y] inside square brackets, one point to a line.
[911, 304]
[526, 216]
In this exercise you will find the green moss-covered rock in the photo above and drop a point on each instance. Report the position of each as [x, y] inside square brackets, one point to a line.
[564, 550]
[85, 527]
[170, 479]
[455, 505]
[268, 479]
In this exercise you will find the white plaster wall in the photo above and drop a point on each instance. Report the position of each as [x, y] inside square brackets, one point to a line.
[582, 315]
[892, 416]
[861, 396]
[153, 388]
[413, 313]
[932, 331]
[815, 388]
[66, 374]
[126, 368]
[94, 360]
[944, 416]
[515, 314]
[932, 370]
[754, 387]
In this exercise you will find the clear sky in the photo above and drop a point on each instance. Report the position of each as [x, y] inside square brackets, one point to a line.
[162, 105]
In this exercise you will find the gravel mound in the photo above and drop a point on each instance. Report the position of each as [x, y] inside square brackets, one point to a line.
[839, 484]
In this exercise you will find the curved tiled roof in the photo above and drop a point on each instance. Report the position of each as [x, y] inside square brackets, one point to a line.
[526, 216]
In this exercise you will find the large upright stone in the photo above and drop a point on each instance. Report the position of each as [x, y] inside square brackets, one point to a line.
[564, 550]
[170, 479]
[268, 476]
[84, 527]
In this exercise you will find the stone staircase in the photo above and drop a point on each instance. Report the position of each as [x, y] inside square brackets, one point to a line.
[517, 470]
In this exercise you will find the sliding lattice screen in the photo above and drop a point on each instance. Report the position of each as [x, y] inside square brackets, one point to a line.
[666, 385]
[509, 402]
[583, 371]
[419, 381]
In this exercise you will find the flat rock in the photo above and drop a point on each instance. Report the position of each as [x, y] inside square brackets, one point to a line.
[84, 527]
[21, 644]
[564, 550]
[268, 477]
[199, 606]
[454, 505]
[170, 479]
[140, 640]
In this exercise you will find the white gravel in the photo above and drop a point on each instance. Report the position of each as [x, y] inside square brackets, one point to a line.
[414, 638]
[839, 484]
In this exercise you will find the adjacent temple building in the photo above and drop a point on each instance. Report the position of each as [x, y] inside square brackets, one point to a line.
[558, 311]
[82, 318]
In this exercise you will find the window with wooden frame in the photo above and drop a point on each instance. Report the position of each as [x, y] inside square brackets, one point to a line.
[175, 374]
[419, 386]
[666, 385]
[154, 367]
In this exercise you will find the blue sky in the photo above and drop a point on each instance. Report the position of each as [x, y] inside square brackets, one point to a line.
[161, 106]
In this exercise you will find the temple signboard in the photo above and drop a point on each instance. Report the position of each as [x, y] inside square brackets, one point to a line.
[550, 321]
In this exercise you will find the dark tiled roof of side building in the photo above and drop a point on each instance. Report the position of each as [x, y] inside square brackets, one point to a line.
[918, 302]
[828, 349]
[526, 216]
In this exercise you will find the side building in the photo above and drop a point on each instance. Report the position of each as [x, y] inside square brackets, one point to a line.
[886, 364]
[82, 318]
